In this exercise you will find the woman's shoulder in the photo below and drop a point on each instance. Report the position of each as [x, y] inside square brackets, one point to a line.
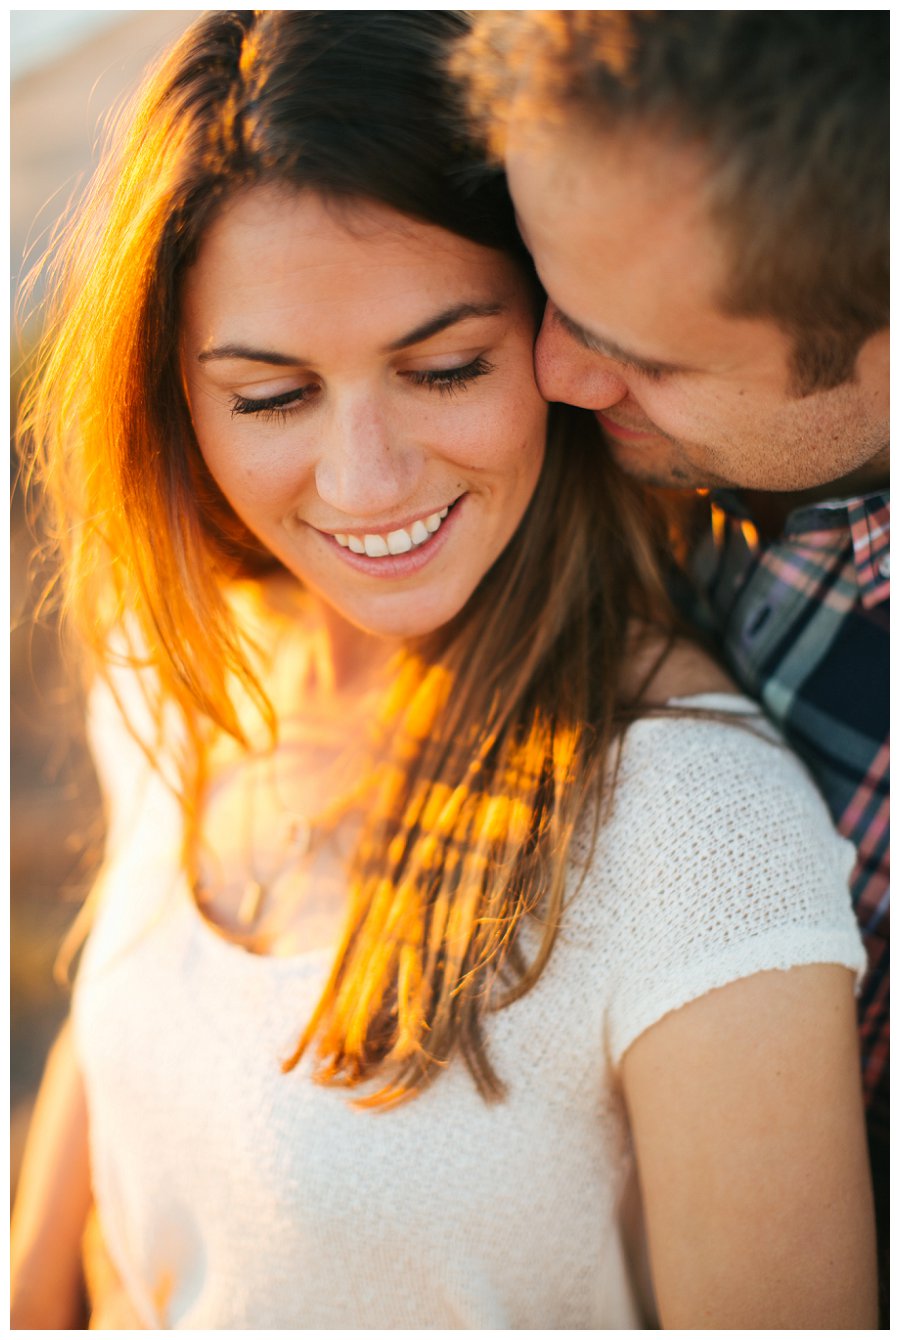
[703, 755]
[717, 858]
[697, 735]
[709, 810]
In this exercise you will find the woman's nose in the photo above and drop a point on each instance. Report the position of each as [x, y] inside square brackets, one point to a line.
[569, 372]
[367, 465]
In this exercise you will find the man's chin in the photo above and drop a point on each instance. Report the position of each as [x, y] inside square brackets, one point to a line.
[647, 466]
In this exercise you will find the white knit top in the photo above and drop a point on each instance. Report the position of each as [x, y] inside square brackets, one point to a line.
[233, 1195]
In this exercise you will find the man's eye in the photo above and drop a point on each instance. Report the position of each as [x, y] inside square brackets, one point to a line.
[449, 380]
[643, 370]
[273, 406]
[652, 374]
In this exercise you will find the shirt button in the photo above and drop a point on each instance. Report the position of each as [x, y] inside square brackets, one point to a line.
[884, 565]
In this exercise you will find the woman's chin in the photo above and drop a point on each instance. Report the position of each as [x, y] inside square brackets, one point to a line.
[405, 628]
[388, 623]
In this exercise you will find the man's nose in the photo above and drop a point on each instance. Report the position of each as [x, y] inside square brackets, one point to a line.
[566, 371]
[367, 467]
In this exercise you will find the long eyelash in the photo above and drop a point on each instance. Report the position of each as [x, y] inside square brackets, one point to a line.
[450, 380]
[270, 407]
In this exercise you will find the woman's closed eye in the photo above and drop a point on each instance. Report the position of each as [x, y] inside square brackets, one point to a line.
[444, 380]
[450, 380]
[273, 406]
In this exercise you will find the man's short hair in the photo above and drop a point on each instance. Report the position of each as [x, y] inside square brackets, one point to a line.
[789, 110]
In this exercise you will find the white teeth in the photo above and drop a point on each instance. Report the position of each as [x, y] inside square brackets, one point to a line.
[399, 542]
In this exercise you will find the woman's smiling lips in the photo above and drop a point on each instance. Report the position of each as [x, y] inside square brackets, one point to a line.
[398, 541]
[400, 551]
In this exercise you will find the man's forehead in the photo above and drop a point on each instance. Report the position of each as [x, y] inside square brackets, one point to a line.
[629, 204]
[611, 205]
[585, 165]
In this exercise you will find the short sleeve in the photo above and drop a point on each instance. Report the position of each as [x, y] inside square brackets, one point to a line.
[719, 860]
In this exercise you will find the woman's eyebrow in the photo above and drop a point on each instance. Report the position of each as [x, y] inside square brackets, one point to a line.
[435, 324]
[250, 355]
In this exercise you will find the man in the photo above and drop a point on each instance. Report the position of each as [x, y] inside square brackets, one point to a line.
[705, 198]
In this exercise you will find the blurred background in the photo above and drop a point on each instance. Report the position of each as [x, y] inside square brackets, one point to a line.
[69, 69]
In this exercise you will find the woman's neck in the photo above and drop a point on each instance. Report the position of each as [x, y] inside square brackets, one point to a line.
[319, 656]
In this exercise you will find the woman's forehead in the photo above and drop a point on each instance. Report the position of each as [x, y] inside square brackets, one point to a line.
[272, 256]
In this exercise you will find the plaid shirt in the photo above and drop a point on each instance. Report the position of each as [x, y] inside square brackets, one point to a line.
[803, 624]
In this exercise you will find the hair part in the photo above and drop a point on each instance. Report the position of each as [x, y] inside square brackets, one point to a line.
[789, 113]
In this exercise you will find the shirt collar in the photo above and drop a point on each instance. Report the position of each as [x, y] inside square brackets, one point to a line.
[866, 516]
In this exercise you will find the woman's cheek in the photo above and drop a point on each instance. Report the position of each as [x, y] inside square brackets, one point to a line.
[262, 471]
[506, 433]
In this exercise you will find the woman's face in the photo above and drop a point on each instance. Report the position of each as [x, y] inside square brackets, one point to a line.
[361, 388]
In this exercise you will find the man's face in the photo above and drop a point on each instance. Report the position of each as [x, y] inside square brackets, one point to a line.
[687, 395]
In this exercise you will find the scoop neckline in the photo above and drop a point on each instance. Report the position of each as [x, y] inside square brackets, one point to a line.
[307, 959]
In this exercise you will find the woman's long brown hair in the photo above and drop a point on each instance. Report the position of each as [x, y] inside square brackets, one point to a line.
[504, 726]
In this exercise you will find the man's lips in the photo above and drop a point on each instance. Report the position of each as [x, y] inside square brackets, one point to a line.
[621, 430]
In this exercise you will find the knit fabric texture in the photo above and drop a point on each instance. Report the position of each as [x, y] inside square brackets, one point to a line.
[233, 1195]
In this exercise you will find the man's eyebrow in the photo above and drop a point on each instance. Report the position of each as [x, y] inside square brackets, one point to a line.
[461, 311]
[598, 344]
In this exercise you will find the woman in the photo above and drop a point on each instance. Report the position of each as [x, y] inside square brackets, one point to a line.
[376, 652]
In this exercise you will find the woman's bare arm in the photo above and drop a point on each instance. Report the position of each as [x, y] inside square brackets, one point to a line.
[52, 1201]
[748, 1125]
